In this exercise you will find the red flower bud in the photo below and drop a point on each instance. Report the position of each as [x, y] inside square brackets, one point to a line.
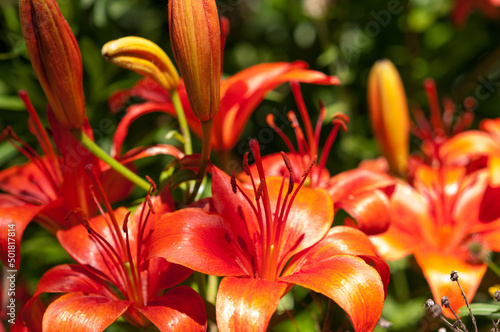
[195, 37]
[56, 58]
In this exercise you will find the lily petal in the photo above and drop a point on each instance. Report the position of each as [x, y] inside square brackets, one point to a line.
[198, 240]
[13, 222]
[80, 312]
[80, 246]
[437, 267]
[180, 309]
[410, 224]
[349, 281]
[245, 304]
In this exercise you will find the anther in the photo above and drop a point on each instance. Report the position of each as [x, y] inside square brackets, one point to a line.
[454, 276]
[311, 164]
[258, 194]
[246, 168]
[288, 165]
[125, 222]
[445, 302]
[496, 295]
[233, 182]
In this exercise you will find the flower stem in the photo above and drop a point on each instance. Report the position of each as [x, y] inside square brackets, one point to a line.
[206, 141]
[493, 267]
[113, 163]
[181, 117]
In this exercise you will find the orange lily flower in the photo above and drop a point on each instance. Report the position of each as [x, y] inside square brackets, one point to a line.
[476, 147]
[438, 220]
[264, 241]
[363, 193]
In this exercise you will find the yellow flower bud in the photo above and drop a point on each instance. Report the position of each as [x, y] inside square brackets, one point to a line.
[389, 114]
[195, 37]
[56, 59]
[144, 57]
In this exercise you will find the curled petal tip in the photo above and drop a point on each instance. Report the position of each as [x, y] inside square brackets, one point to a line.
[144, 57]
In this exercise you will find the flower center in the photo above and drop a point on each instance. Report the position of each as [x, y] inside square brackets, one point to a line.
[307, 145]
[270, 224]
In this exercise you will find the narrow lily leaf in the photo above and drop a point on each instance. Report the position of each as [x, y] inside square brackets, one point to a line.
[354, 285]
[86, 313]
[13, 222]
[247, 304]
[198, 240]
[437, 267]
[180, 309]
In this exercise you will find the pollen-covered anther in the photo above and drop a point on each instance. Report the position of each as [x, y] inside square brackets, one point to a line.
[288, 165]
[454, 275]
[233, 182]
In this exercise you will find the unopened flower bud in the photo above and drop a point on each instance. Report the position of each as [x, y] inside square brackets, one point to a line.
[56, 59]
[144, 57]
[389, 114]
[195, 37]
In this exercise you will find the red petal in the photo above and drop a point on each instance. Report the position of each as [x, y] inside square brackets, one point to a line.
[13, 222]
[245, 304]
[371, 210]
[180, 309]
[234, 208]
[241, 93]
[163, 275]
[80, 312]
[354, 285]
[83, 249]
[198, 240]
[341, 240]
[411, 224]
[18, 181]
[70, 278]
[461, 148]
[437, 268]
[309, 220]
[136, 111]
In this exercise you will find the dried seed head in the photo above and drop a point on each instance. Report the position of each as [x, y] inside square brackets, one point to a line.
[445, 302]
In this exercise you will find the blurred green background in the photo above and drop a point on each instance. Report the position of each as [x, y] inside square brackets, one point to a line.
[337, 37]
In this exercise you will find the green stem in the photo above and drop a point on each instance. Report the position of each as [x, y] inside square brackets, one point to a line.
[493, 267]
[181, 117]
[206, 141]
[113, 163]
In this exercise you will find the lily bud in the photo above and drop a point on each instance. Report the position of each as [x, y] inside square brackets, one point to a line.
[195, 37]
[56, 59]
[389, 114]
[144, 57]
